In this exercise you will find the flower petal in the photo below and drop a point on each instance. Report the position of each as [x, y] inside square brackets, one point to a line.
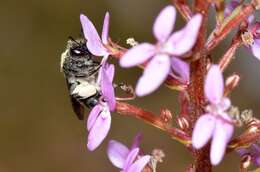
[214, 85]
[104, 65]
[139, 165]
[137, 140]
[164, 23]
[183, 40]
[256, 161]
[137, 55]
[225, 104]
[203, 130]
[110, 71]
[117, 153]
[105, 29]
[154, 74]
[242, 151]
[181, 68]
[130, 158]
[107, 88]
[93, 116]
[256, 48]
[99, 130]
[256, 149]
[94, 43]
[222, 135]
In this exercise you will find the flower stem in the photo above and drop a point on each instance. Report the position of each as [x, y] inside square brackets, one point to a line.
[229, 54]
[240, 14]
[183, 8]
[152, 119]
[196, 87]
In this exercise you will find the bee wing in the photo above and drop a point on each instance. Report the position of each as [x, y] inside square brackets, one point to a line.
[77, 108]
[76, 105]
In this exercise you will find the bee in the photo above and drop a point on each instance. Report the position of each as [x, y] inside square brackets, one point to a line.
[81, 71]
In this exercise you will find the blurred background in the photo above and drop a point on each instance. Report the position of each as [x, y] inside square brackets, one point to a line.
[38, 129]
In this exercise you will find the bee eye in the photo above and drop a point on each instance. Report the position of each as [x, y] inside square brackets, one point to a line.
[76, 52]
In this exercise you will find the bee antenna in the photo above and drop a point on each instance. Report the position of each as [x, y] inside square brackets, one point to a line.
[72, 39]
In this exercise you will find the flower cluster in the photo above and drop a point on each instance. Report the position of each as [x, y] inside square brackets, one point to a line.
[99, 120]
[171, 56]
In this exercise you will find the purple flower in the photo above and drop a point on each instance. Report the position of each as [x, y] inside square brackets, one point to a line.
[94, 43]
[99, 120]
[128, 160]
[216, 123]
[163, 54]
[255, 30]
[253, 151]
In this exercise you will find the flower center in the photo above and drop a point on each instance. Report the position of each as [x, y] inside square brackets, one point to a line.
[220, 108]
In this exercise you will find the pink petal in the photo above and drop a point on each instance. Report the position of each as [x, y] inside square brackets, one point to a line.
[181, 68]
[256, 161]
[117, 153]
[164, 23]
[93, 116]
[105, 29]
[256, 49]
[130, 158]
[137, 55]
[183, 40]
[203, 130]
[137, 140]
[256, 149]
[103, 64]
[222, 135]
[107, 87]
[139, 165]
[94, 43]
[225, 103]
[99, 130]
[154, 74]
[214, 85]
[110, 70]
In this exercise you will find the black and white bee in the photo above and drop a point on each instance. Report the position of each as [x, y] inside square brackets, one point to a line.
[81, 71]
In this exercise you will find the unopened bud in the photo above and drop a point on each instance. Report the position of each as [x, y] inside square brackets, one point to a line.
[166, 115]
[183, 123]
[231, 82]
[247, 116]
[254, 126]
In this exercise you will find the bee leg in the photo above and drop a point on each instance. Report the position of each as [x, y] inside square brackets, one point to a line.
[128, 89]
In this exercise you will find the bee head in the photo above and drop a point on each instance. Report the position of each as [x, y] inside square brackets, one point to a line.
[77, 47]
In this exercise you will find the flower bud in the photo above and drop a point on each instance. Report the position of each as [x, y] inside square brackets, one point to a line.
[166, 115]
[231, 82]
